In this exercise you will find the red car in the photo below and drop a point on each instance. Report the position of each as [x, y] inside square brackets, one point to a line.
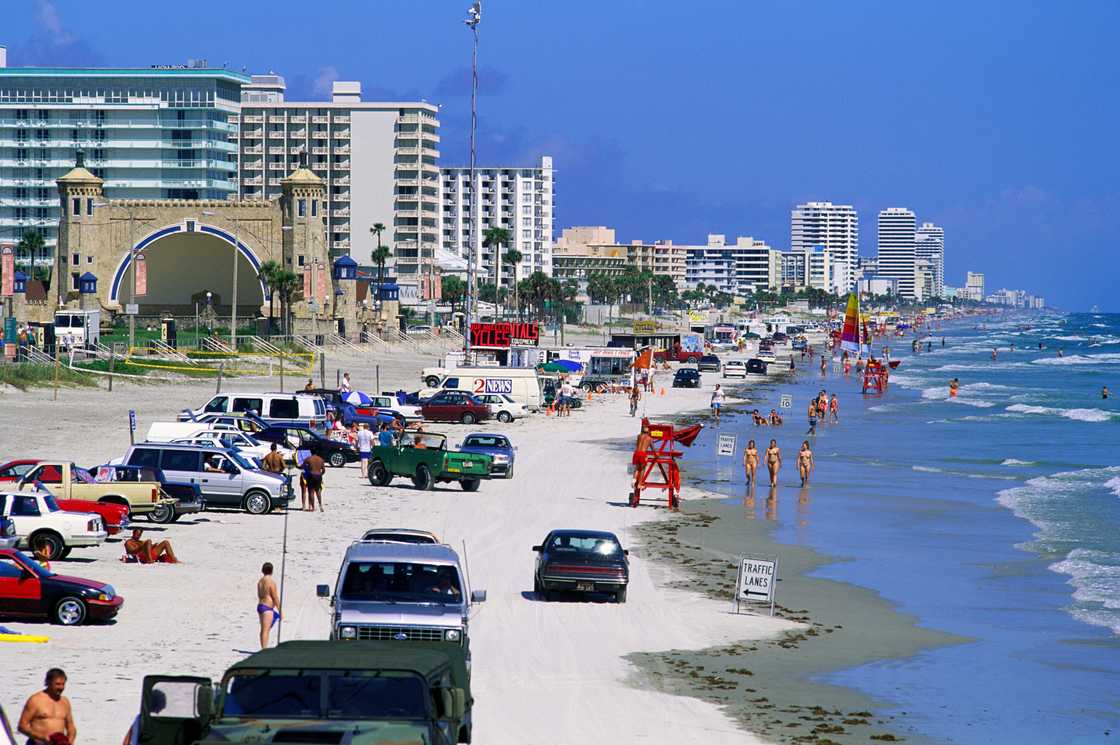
[27, 590]
[455, 406]
[115, 516]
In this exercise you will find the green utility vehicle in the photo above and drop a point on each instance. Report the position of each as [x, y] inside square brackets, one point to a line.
[314, 692]
[424, 457]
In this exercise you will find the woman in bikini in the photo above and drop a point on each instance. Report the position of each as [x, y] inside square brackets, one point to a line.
[773, 461]
[805, 462]
[750, 462]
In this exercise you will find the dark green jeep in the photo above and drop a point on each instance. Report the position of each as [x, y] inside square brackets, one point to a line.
[424, 457]
[316, 692]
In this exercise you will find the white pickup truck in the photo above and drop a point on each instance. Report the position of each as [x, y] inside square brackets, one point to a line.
[39, 521]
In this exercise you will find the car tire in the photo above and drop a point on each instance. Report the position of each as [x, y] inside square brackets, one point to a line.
[65, 552]
[467, 418]
[257, 503]
[431, 381]
[69, 611]
[163, 513]
[505, 417]
[469, 484]
[51, 541]
[377, 474]
[620, 596]
[176, 516]
[337, 459]
[422, 479]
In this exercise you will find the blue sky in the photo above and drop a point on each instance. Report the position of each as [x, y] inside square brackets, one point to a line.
[673, 120]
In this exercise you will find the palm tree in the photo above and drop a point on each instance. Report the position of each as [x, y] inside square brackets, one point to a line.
[30, 245]
[287, 282]
[496, 237]
[379, 256]
[513, 258]
[268, 272]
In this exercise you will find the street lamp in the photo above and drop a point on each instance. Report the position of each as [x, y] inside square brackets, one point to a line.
[474, 17]
[233, 312]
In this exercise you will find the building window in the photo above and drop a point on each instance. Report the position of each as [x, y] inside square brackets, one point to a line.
[314, 207]
[300, 259]
[301, 207]
[89, 206]
[76, 260]
[76, 206]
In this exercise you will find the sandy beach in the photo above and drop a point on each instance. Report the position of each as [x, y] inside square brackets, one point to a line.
[543, 672]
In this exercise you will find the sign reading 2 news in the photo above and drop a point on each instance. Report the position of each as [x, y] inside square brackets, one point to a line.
[494, 385]
[504, 335]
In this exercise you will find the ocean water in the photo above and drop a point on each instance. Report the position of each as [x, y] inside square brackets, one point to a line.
[992, 515]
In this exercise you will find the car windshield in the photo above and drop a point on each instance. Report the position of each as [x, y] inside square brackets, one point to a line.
[299, 694]
[508, 399]
[239, 460]
[401, 582]
[398, 537]
[577, 544]
[486, 441]
[35, 567]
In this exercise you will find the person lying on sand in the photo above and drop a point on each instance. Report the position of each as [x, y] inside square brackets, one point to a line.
[147, 552]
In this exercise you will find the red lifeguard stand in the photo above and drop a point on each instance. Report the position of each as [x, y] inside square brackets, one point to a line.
[875, 377]
[656, 465]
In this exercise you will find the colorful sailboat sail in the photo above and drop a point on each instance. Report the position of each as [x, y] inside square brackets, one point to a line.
[849, 335]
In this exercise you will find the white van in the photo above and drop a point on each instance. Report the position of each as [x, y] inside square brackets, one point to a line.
[275, 409]
[519, 383]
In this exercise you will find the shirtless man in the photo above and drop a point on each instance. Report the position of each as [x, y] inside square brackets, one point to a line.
[773, 461]
[48, 712]
[834, 408]
[147, 552]
[805, 462]
[268, 602]
[750, 462]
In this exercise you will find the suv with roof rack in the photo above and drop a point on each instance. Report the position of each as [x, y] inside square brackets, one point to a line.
[402, 592]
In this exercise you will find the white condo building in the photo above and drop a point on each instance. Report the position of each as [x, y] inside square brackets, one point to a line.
[896, 248]
[517, 198]
[833, 226]
[929, 245]
[974, 286]
[741, 268]
[379, 160]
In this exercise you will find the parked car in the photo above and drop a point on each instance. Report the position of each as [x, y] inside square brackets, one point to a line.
[15, 470]
[364, 692]
[498, 447]
[406, 412]
[455, 406]
[39, 521]
[708, 363]
[8, 537]
[418, 330]
[245, 421]
[425, 459]
[349, 413]
[400, 535]
[225, 478]
[503, 408]
[29, 591]
[68, 481]
[734, 369]
[677, 354]
[250, 447]
[587, 561]
[756, 366]
[295, 409]
[384, 591]
[686, 377]
[187, 496]
[334, 452]
[779, 337]
[799, 343]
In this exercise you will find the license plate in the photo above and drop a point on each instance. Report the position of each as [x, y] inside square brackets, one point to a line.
[453, 469]
[585, 586]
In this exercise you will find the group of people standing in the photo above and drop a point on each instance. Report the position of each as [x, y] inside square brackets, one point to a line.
[773, 459]
[823, 409]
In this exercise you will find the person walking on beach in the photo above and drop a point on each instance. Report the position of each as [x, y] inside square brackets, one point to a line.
[635, 397]
[47, 715]
[268, 602]
[805, 462]
[364, 440]
[834, 408]
[812, 418]
[717, 401]
[750, 462]
[344, 387]
[773, 461]
[313, 469]
[824, 369]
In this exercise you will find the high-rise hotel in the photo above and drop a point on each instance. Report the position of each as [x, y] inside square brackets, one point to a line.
[834, 227]
[896, 248]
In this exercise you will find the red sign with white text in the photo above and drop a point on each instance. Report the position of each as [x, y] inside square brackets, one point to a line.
[8, 269]
[504, 335]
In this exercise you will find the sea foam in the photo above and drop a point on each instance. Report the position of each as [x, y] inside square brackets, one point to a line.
[1080, 415]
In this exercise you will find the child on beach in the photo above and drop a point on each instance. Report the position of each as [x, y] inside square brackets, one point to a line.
[717, 401]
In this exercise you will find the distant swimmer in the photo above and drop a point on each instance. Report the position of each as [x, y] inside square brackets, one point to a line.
[929, 346]
[805, 462]
[1104, 392]
[995, 354]
[954, 384]
[750, 461]
[943, 342]
[1012, 347]
[773, 461]
[1060, 353]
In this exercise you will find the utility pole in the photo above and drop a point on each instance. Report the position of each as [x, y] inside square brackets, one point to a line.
[132, 286]
[474, 16]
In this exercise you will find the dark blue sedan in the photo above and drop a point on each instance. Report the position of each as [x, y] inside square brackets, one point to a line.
[583, 561]
[497, 446]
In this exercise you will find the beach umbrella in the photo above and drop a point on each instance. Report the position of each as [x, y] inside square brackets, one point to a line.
[568, 365]
[357, 398]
